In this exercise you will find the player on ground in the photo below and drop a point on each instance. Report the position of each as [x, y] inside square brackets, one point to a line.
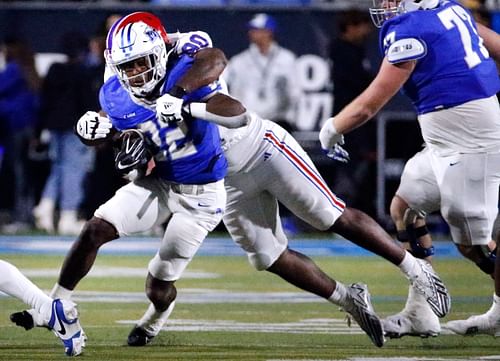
[61, 316]
[433, 51]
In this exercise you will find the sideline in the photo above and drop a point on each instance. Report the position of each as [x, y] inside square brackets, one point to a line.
[212, 246]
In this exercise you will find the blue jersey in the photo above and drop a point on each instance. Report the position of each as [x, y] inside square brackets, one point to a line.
[453, 65]
[190, 151]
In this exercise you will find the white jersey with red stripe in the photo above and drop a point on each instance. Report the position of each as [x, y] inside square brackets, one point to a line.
[267, 165]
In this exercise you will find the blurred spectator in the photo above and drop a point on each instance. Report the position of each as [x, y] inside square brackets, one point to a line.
[354, 182]
[263, 77]
[102, 181]
[19, 86]
[65, 96]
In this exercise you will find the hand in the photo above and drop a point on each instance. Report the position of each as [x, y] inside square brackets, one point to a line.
[92, 126]
[169, 108]
[331, 142]
[339, 154]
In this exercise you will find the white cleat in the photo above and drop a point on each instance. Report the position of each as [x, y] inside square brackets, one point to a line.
[428, 284]
[485, 324]
[416, 319]
[65, 324]
[359, 306]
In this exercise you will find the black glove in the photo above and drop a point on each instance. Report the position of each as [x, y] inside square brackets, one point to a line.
[133, 155]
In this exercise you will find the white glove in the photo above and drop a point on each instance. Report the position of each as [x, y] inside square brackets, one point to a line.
[169, 108]
[92, 126]
[331, 142]
[328, 135]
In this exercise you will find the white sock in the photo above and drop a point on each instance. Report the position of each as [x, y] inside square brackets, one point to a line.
[17, 285]
[339, 294]
[59, 291]
[152, 321]
[409, 266]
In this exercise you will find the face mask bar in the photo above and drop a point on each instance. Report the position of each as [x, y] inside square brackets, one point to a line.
[383, 10]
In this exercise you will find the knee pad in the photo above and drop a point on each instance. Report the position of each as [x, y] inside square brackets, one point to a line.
[261, 261]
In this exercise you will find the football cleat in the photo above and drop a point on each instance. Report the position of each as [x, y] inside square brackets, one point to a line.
[416, 319]
[485, 324]
[23, 319]
[360, 308]
[428, 284]
[411, 324]
[138, 337]
[65, 324]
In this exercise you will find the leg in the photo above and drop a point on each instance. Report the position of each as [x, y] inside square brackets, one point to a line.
[302, 272]
[362, 230]
[416, 318]
[60, 316]
[83, 252]
[188, 226]
[162, 295]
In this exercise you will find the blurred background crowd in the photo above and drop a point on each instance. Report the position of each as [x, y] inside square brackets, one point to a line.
[296, 65]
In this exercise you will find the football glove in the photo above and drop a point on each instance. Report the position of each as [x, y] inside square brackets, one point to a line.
[92, 126]
[169, 108]
[331, 142]
[133, 155]
[338, 153]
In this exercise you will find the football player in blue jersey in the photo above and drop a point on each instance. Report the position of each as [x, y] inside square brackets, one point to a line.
[174, 160]
[434, 52]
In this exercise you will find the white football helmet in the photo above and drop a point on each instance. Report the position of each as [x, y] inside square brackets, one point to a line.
[137, 54]
[383, 10]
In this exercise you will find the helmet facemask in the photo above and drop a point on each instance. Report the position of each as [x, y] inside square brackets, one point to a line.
[383, 10]
[138, 56]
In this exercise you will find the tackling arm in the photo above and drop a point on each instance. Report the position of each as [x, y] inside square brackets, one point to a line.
[207, 67]
[386, 84]
[388, 81]
[220, 109]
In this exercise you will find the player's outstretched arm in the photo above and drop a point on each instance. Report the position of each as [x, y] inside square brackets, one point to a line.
[220, 109]
[209, 63]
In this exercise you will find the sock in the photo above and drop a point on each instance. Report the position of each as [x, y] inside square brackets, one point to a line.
[339, 294]
[409, 266]
[152, 321]
[17, 285]
[59, 291]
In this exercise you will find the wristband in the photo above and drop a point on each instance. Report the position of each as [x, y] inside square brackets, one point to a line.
[177, 91]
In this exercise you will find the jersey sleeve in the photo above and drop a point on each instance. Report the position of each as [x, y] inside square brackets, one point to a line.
[190, 43]
[400, 42]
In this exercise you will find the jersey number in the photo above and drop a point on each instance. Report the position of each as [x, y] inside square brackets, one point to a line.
[456, 16]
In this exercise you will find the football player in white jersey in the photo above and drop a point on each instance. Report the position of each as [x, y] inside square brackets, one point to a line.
[450, 77]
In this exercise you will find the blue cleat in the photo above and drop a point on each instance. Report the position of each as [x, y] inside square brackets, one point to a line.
[65, 324]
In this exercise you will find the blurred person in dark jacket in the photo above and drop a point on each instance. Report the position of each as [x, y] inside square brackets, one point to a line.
[66, 94]
[351, 74]
[19, 87]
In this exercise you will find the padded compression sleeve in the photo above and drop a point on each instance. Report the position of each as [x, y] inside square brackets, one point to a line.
[199, 110]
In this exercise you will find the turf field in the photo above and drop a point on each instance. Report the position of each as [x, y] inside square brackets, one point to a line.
[228, 311]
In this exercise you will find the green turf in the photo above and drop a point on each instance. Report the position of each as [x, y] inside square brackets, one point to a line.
[470, 289]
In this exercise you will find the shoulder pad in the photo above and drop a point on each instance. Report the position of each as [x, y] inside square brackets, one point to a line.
[406, 49]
